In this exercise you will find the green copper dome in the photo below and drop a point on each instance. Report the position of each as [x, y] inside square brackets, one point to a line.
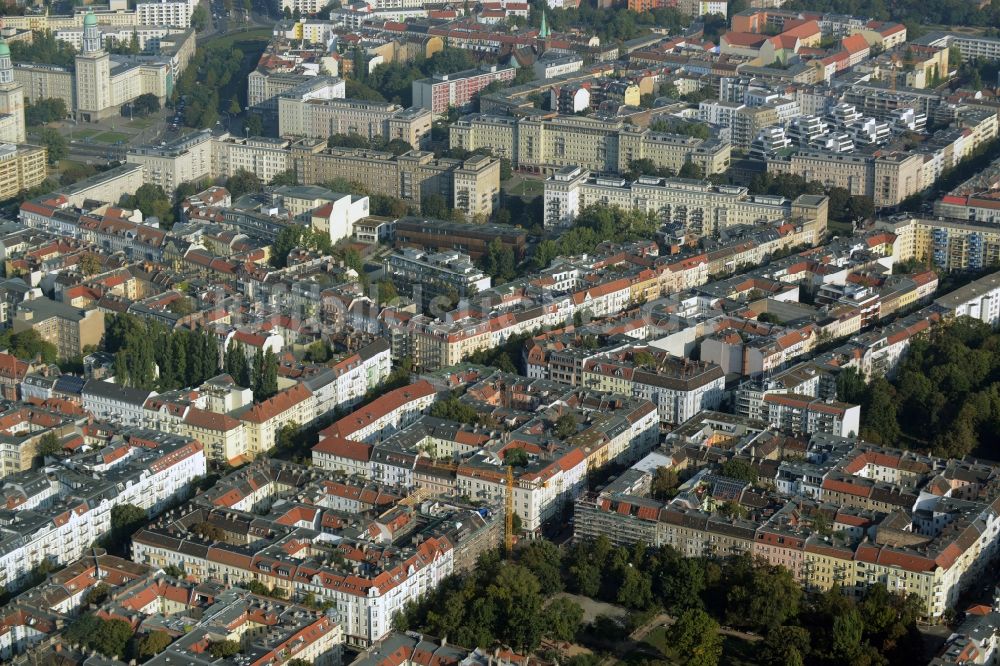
[89, 19]
[4, 49]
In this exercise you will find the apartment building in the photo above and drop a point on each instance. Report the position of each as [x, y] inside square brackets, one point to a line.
[70, 329]
[55, 517]
[471, 185]
[979, 299]
[264, 87]
[363, 598]
[805, 414]
[888, 178]
[444, 91]
[934, 545]
[601, 146]
[700, 207]
[949, 244]
[265, 157]
[678, 388]
[113, 402]
[969, 45]
[21, 167]
[384, 415]
[186, 159]
[425, 276]
[176, 14]
[304, 114]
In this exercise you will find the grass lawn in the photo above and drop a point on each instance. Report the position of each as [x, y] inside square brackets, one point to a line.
[840, 228]
[228, 41]
[112, 137]
[142, 123]
[84, 133]
[65, 164]
[528, 188]
[738, 652]
[735, 651]
[657, 639]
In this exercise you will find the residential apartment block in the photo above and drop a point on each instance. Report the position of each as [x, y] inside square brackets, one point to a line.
[601, 146]
[59, 512]
[70, 329]
[899, 519]
[702, 209]
[363, 598]
[310, 111]
[471, 185]
[22, 167]
[887, 178]
[444, 91]
[424, 276]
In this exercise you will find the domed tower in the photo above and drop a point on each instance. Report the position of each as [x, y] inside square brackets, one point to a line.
[11, 100]
[91, 34]
[93, 74]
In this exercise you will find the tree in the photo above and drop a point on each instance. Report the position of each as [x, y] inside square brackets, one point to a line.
[739, 470]
[517, 602]
[881, 425]
[434, 206]
[851, 386]
[97, 594]
[691, 170]
[44, 111]
[665, 482]
[154, 642]
[126, 520]
[174, 570]
[398, 147]
[224, 649]
[515, 457]
[498, 262]
[49, 445]
[644, 359]
[386, 292]
[695, 635]
[182, 306]
[153, 202]
[199, 17]
[109, 637]
[760, 596]
[29, 345]
[544, 560]
[264, 374]
[285, 439]
[90, 264]
[235, 364]
[242, 182]
[43, 48]
[785, 646]
[285, 178]
[54, 143]
[146, 104]
[860, 208]
[318, 352]
[254, 125]
[562, 619]
[565, 426]
[453, 409]
[839, 199]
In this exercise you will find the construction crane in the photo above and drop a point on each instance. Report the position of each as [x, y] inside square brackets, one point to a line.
[509, 518]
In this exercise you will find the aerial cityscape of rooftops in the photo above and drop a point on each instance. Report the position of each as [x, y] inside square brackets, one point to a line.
[499, 333]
